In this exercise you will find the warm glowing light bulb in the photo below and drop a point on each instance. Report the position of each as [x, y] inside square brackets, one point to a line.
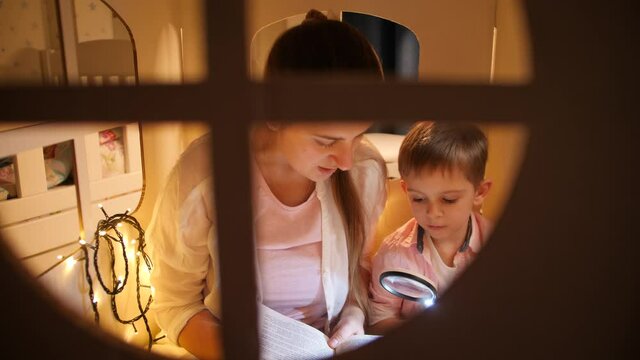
[119, 224]
[102, 233]
[153, 291]
[133, 241]
[100, 206]
[82, 242]
[59, 257]
[128, 210]
[69, 263]
[95, 299]
[428, 302]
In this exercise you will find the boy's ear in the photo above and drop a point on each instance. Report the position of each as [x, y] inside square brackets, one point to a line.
[273, 126]
[481, 192]
[403, 185]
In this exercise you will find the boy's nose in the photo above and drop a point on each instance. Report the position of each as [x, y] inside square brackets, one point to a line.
[433, 210]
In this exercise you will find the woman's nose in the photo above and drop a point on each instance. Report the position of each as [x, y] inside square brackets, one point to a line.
[344, 156]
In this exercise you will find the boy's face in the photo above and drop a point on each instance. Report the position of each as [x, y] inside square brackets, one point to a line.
[442, 201]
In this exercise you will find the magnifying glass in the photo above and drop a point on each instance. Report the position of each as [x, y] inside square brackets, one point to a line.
[409, 286]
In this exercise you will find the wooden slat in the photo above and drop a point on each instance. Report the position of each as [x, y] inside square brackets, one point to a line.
[6, 126]
[38, 264]
[38, 235]
[69, 40]
[112, 206]
[59, 198]
[92, 150]
[66, 282]
[83, 182]
[31, 137]
[132, 148]
[115, 186]
[113, 80]
[31, 178]
[97, 80]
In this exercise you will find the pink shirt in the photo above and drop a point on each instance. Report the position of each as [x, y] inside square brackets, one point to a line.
[398, 252]
[289, 251]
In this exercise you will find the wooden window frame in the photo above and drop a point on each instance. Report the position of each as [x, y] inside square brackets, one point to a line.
[237, 102]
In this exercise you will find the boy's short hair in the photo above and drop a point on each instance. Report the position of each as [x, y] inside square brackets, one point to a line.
[444, 145]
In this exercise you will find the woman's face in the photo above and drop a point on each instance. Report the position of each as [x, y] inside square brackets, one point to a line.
[317, 150]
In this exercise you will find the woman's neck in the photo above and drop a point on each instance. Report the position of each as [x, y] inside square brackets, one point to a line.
[286, 184]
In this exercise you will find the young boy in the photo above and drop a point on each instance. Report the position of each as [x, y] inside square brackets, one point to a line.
[442, 169]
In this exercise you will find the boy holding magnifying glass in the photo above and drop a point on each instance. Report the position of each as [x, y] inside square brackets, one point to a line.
[442, 168]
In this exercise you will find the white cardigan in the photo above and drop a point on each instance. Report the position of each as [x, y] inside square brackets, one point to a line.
[183, 247]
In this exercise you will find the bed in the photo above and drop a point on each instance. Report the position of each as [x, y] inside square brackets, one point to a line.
[60, 173]
[54, 175]
[43, 221]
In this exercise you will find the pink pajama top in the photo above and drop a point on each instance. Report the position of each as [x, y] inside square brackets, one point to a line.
[289, 249]
[398, 252]
[182, 241]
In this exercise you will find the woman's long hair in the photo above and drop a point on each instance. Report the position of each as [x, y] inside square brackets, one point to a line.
[352, 215]
[322, 46]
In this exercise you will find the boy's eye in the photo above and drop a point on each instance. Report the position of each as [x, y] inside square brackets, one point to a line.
[449, 201]
[325, 143]
[417, 200]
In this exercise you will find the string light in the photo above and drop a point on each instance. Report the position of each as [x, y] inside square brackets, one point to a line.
[107, 232]
[61, 259]
[71, 261]
[92, 297]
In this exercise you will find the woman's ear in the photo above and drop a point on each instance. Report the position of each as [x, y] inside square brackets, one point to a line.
[481, 192]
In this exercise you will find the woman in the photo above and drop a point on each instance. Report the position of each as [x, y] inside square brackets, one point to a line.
[318, 191]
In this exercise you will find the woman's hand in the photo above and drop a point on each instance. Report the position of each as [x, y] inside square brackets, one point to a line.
[350, 323]
[201, 336]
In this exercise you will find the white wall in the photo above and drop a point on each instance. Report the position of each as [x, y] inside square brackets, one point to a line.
[23, 39]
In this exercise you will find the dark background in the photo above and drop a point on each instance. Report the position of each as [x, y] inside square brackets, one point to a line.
[559, 278]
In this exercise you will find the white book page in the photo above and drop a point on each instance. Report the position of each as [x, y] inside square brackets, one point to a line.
[284, 338]
[355, 342]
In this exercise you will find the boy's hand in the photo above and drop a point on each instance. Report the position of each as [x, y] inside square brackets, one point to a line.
[351, 322]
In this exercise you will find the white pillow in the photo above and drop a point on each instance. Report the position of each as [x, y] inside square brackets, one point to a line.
[388, 145]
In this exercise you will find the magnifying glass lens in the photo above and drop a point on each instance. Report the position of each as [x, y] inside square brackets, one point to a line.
[408, 286]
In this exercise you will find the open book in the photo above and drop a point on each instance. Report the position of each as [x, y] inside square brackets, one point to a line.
[284, 338]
